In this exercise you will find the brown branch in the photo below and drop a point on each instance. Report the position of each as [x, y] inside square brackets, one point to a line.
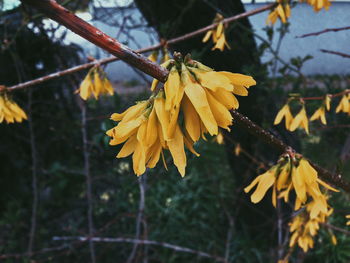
[254, 129]
[142, 242]
[344, 231]
[96, 36]
[143, 50]
[330, 95]
[324, 31]
[335, 53]
[63, 16]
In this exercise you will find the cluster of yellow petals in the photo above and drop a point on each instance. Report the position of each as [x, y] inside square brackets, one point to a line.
[344, 104]
[318, 4]
[95, 84]
[348, 222]
[301, 119]
[10, 112]
[281, 11]
[201, 96]
[291, 123]
[305, 226]
[217, 35]
[295, 174]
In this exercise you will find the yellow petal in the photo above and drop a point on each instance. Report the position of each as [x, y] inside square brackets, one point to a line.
[197, 96]
[191, 119]
[152, 128]
[128, 148]
[266, 181]
[177, 150]
[239, 79]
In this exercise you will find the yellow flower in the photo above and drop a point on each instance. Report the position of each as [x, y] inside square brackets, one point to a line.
[284, 113]
[319, 4]
[94, 84]
[281, 11]
[202, 96]
[320, 113]
[348, 217]
[300, 120]
[344, 105]
[217, 34]
[334, 240]
[263, 182]
[10, 112]
[153, 56]
[238, 149]
[219, 138]
[304, 227]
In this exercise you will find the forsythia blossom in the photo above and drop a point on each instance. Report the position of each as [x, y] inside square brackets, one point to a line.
[318, 4]
[344, 104]
[10, 112]
[295, 173]
[194, 93]
[286, 114]
[320, 113]
[281, 11]
[94, 84]
[217, 35]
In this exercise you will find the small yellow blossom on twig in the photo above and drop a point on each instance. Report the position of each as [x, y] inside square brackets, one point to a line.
[95, 84]
[203, 98]
[10, 112]
[344, 105]
[300, 120]
[281, 11]
[286, 114]
[318, 4]
[348, 222]
[217, 35]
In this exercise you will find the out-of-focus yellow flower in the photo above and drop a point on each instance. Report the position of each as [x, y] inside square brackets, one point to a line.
[334, 240]
[281, 11]
[10, 112]
[286, 114]
[320, 113]
[219, 138]
[238, 149]
[292, 174]
[153, 56]
[304, 228]
[344, 104]
[202, 96]
[318, 4]
[217, 35]
[95, 84]
[348, 222]
[300, 120]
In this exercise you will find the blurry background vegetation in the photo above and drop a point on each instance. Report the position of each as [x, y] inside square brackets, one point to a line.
[205, 211]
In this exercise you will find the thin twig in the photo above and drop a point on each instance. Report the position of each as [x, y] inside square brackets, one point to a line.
[143, 50]
[34, 175]
[141, 242]
[139, 218]
[335, 53]
[344, 231]
[330, 95]
[324, 31]
[88, 179]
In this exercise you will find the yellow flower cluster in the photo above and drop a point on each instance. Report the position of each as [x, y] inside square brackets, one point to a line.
[301, 119]
[318, 4]
[281, 11]
[217, 35]
[291, 123]
[306, 225]
[95, 84]
[348, 217]
[193, 93]
[10, 112]
[295, 173]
